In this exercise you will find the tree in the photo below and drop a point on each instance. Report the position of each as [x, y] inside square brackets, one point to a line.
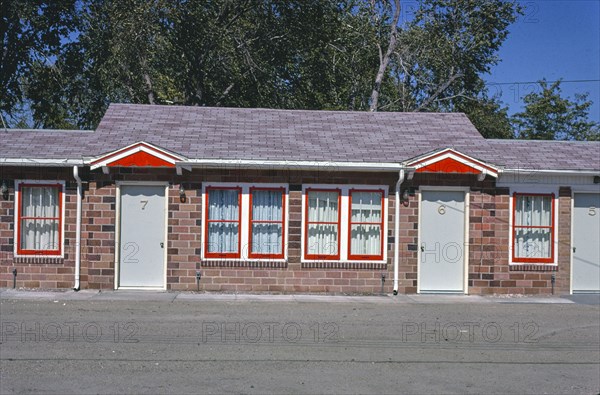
[250, 53]
[488, 116]
[31, 32]
[118, 56]
[384, 55]
[442, 52]
[297, 54]
[550, 116]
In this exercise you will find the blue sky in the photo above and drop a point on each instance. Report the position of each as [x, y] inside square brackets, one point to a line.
[554, 39]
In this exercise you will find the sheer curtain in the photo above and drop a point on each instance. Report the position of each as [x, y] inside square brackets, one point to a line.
[267, 221]
[533, 227]
[366, 223]
[323, 222]
[223, 211]
[40, 218]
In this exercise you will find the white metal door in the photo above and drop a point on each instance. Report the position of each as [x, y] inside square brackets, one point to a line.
[142, 236]
[442, 242]
[586, 242]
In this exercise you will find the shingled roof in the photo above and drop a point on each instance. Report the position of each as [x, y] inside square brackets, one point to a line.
[544, 154]
[293, 135]
[297, 135]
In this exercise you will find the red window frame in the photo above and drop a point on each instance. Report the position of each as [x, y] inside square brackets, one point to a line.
[20, 219]
[363, 257]
[516, 259]
[207, 222]
[307, 223]
[279, 255]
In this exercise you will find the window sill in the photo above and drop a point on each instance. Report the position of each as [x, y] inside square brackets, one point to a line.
[39, 259]
[533, 267]
[208, 262]
[353, 265]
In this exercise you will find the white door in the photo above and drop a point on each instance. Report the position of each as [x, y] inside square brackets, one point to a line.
[586, 242]
[442, 242]
[142, 236]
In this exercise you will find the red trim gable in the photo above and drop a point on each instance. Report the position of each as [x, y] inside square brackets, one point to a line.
[141, 159]
[137, 155]
[450, 161]
[448, 165]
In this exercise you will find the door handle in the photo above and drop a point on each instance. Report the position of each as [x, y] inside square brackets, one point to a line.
[162, 245]
[574, 249]
[422, 248]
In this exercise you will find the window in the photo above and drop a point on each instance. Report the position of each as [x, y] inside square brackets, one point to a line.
[366, 225]
[223, 216]
[344, 223]
[267, 213]
[533, 228]
[39, 219]
[244, 221]
[322, 224]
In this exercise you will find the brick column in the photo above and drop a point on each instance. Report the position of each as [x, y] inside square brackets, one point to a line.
[563, 276]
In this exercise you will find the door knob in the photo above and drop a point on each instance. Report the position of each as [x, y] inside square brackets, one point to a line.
[422, 248]
[162, 245]
[574, 248]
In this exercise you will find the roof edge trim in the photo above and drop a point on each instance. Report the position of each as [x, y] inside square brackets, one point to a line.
[553, 172]
[291, 165]
[42, 162]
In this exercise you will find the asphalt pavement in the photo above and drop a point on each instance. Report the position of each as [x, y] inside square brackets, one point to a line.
[163, 342]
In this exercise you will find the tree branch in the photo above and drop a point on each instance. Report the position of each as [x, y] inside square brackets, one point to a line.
[438, 92]
[383, 63]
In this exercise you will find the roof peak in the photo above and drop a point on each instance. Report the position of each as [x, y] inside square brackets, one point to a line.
[19, 130]
[254, 109]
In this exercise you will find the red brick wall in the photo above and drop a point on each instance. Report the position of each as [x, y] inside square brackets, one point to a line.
[489, 271]
[37, 272]
[496, 276]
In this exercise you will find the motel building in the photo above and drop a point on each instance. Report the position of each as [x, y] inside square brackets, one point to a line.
[281, 201]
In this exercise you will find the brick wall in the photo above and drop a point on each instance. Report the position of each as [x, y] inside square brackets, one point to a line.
[37, 271]
[489, 235]
[495, 276]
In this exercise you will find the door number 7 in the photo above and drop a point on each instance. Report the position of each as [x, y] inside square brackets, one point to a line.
[144, 203]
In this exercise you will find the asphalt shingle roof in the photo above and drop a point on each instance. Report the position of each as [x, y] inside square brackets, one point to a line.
[261, 134]
[296, 135]
[543, 154]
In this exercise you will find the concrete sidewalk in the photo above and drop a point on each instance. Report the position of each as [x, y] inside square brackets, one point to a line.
[22, 294]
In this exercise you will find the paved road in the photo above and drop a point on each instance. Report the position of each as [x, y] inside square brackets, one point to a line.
[185, 343]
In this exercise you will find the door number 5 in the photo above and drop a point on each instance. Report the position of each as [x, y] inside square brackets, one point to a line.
[144, 203]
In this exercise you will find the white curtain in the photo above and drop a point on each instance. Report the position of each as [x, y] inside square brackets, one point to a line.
[323, 207]
[39, 218]
[267, 237]
[366, 238]
[533, 221]
[223, 205]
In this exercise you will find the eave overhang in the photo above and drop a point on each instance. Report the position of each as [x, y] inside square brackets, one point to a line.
[27, 162]
[289, 165]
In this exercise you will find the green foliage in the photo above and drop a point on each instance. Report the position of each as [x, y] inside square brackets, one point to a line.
[489, 117]
[31, 32]
[550, 116]
[78, 56]
[295, 54]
